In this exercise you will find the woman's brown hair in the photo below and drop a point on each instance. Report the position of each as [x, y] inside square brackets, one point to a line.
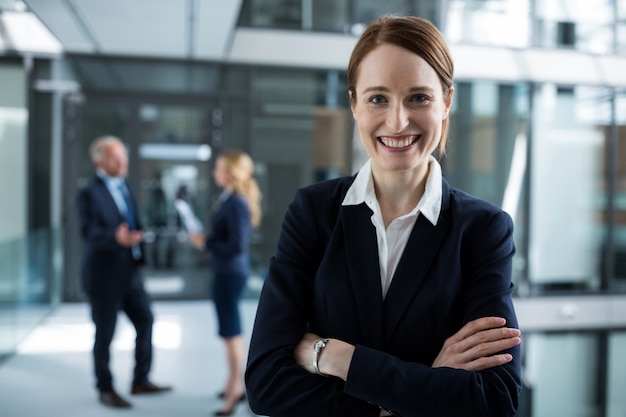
[414, 34]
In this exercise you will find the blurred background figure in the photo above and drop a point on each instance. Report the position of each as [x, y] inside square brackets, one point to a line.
[112, 233]
[235, 214]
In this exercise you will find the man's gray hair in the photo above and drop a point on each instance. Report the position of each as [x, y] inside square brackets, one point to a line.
[95, 150]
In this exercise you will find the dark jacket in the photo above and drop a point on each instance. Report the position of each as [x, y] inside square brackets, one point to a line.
[230, 237]
[108, 268]
[325, 278]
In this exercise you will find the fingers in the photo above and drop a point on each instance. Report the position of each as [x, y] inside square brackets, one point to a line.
[126, 237]
[475, 326]
[478, 344]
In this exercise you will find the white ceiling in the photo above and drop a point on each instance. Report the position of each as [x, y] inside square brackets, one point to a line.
[194, 29]
[207, 30]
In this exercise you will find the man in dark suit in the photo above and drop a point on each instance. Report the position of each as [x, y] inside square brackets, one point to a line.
[111, 230]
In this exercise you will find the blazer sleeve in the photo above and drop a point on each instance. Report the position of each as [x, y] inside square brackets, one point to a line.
[276, 384]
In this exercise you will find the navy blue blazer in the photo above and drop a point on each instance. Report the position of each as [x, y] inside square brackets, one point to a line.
[324, 278]
[108, 268]
[230, 237]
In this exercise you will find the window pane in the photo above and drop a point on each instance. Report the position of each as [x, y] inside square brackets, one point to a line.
[580, 24]
[568, 190]
[501, 22]
[620, 197]
[616, 402]
[486, 153]
[560, 374]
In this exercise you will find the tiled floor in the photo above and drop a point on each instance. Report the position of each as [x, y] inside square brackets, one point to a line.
[51, 375]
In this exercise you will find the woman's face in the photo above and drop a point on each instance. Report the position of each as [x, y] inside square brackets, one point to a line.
[220, 173]
[399, 108]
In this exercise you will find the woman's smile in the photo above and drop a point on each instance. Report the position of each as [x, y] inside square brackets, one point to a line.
[397, 143]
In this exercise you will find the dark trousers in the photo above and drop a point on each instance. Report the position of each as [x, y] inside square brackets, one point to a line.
[136, 304]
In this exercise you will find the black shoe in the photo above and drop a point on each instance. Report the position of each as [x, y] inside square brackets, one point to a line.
[148, 388]
[226, 412]
[112, 399]
[222, 395]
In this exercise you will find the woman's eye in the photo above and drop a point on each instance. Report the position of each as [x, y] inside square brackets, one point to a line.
[420, 98]
[377, 100]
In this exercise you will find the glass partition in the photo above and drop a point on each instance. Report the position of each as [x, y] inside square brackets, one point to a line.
[577, 24]
[619, 229]
[568, 187]
[561, 374]
[616, 379]
[487, 150]
[29, 282]
[492, 22]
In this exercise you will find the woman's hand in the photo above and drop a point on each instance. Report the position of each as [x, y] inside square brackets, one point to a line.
[303, 353]
[333, 360]
[475, 347]
[197, 240]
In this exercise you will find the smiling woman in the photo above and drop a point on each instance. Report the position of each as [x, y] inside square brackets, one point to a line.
[390, 291]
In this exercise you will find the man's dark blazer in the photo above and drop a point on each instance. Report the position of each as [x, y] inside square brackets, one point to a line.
[324, 278]
[108, 268]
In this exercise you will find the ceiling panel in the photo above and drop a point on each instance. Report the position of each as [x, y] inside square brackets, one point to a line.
[59, 19]
[216, 23]
[199, 29]
[146, 27]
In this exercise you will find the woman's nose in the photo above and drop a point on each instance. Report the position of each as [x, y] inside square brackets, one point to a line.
[397, 118]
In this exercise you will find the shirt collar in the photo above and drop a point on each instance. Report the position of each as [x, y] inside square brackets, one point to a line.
[362, 191]
[109, 180]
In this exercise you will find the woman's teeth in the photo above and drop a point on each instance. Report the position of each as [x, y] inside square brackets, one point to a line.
[395, 143]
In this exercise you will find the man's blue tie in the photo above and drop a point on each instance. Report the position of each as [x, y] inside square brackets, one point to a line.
[130, 212]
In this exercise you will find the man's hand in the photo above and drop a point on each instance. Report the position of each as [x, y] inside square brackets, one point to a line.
[127, 238]
[197, 240]
[475, 347]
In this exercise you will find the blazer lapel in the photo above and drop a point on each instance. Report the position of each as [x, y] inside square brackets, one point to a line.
[362, 258]
[111, 205]
[419, 254]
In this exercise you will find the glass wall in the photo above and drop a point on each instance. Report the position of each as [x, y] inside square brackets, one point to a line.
[617, 134]
[492, 22]
[580, 24]
[616, 379]
[561, 374]
[344, 16]
[27, 250]
[487, 148]
[568, 186]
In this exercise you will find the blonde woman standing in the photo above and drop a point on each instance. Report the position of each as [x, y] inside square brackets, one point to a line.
[237, 212]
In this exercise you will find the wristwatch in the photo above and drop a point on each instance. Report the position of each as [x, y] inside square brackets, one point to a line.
[317, 348]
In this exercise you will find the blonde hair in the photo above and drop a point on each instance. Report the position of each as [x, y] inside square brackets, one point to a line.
[241, 170]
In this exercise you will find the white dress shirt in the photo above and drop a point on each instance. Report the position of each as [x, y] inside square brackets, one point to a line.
[392, 241]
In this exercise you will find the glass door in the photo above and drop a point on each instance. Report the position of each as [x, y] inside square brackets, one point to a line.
[172, 160]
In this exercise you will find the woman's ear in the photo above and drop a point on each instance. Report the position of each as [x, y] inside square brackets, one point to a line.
[352, 96]
[448, 102]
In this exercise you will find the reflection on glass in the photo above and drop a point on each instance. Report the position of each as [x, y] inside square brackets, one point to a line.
[580, 24]
[567, 188]
[486, 150]
[491, 22]
[616, 401]
[560, 374]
